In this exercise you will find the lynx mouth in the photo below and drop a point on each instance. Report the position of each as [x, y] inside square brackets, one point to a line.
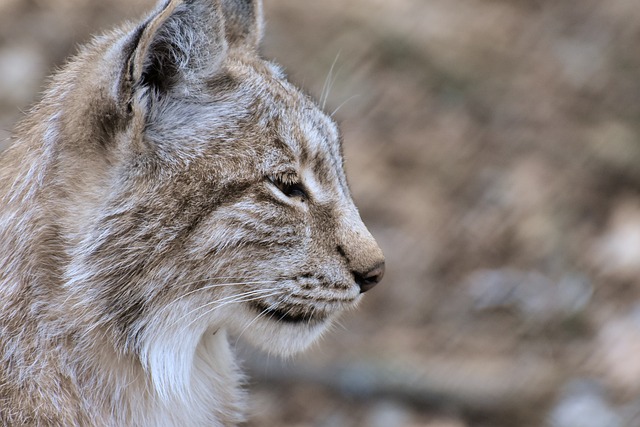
[288, 314]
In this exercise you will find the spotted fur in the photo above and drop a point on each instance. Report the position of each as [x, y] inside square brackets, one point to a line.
[170, 188]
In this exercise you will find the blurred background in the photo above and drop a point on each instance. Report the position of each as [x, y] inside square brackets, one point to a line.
[493, 147]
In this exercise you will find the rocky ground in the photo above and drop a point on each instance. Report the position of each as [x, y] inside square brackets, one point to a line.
[493, 147]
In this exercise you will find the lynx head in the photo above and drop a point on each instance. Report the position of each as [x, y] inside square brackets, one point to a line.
[203, 190]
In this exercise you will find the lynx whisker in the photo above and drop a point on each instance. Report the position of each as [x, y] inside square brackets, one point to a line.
[339, 324]
[239, 283]
[216, 285]
[233, 299]
[215, 278]
[344, 103]
[227, 298]
[239, 300]
[328, 83]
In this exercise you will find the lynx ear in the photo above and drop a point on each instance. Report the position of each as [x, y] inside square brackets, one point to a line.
[183, 42]
[243, 22]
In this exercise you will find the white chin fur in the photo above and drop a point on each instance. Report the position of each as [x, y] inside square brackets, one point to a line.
[277, 337]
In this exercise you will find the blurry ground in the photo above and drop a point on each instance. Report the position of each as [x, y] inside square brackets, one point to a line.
[493, 147]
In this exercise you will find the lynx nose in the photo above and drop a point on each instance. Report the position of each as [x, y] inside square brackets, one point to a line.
[369, 279]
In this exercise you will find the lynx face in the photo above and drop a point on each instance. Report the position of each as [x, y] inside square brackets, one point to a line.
[252, 187]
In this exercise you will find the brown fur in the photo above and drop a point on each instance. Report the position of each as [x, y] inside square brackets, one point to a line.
[170, 187]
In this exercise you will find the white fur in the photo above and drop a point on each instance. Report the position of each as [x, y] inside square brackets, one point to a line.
[196, 384]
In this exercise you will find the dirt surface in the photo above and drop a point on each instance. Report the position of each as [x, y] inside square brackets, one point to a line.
[493, 148]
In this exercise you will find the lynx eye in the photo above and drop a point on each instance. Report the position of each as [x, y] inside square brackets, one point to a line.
[290, 187]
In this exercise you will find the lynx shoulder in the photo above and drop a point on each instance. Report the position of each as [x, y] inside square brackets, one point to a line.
[170, 188]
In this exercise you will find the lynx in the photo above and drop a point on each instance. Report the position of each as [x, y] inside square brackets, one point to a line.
[172, 187]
